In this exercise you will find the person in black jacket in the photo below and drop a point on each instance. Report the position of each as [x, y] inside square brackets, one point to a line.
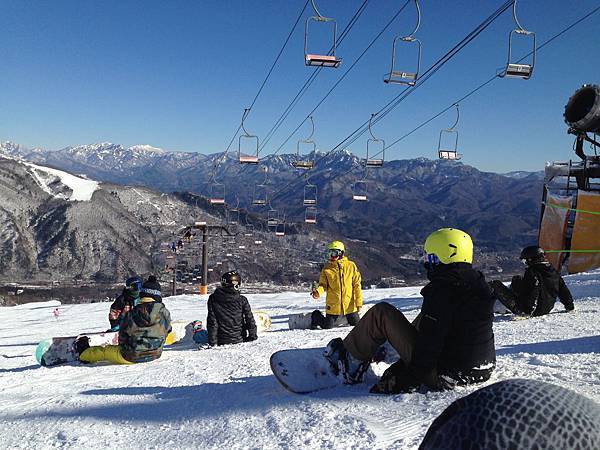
[450, 343]
[534, 294]
[230, 319]
[124, 302]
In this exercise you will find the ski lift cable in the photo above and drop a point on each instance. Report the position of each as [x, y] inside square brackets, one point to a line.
[335, 85]
[427, 74]
[311, 78]
[270, 70]
[486, 83]
[495, 77]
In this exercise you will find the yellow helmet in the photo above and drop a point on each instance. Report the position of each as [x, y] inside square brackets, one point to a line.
[337, 245]
[450, 245]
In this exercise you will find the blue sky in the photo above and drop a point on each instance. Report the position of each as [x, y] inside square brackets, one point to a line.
[178, 75]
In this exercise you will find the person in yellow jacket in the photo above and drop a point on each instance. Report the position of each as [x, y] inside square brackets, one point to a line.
[341, 280]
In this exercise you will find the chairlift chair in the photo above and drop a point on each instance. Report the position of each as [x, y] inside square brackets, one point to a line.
[319, 60]
[519, 69]
[375, 149]
[359, 191]
[260, 195]
[448, 153]
[244, 156]
[448, 140]
[272, 218]
[310, 215]
[516, 69]
[408, 77]
[280, 229]
[217, 194]
[305, 161]
[310, 195]
[410, 43]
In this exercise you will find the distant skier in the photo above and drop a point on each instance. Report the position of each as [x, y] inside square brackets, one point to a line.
[534, 293]
[341, 280]
[230, 319]
[142, 333]
[124, 302]
[453, 343]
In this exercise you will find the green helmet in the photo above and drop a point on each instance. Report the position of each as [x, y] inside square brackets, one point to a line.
[450, 245]
[337, 245]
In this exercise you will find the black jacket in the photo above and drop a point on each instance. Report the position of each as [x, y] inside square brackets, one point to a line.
[121, 306]
[230, 319]
[538, 288]
[455, 331]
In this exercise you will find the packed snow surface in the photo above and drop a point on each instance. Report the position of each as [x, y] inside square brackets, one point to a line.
[226, 397]
[81, 188]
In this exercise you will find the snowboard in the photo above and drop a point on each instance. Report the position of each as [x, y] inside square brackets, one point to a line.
[302, 321]
[303, 370]
[59, 350]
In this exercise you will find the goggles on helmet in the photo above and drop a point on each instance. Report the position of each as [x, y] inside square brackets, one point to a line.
[334, 253]
[135, 286]
[431, 260]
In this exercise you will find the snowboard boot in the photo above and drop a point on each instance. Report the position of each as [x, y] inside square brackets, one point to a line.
[343, 363]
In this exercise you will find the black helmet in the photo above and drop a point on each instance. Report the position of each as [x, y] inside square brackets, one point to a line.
[533, 254]
[231, 279]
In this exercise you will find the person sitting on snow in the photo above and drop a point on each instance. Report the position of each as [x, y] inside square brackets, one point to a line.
[230, 319]
[124, 302]
[453, 343]
[534, 293]
[142, 333]
[341, 280]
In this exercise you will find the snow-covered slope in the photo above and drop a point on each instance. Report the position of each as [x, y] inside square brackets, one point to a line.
[227, 397]
[80, 188]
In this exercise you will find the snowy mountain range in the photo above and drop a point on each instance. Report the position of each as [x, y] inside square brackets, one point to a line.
[407, 199]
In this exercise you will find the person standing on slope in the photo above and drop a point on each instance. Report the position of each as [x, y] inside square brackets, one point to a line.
[230, 319]
[341, 280]
[534, 293]
[142, 333]
[453, 343]
[124, 302]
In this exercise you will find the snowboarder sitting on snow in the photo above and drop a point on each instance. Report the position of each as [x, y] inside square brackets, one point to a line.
[230, 319]
[124, 302]
[142, 334]
[341, 280]
[535, 292]
[453, 343]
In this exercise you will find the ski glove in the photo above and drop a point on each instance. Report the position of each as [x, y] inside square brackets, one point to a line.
[396, 379]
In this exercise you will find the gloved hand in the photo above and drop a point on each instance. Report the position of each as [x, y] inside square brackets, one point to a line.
[315, 294]
[395, 380]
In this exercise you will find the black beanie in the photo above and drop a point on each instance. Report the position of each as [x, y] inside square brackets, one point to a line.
[151, 288]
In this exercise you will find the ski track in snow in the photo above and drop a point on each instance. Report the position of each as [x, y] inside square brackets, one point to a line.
[226, 397]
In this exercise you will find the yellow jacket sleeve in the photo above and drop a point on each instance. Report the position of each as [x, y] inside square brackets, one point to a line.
[357, 288]
[323, 283]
